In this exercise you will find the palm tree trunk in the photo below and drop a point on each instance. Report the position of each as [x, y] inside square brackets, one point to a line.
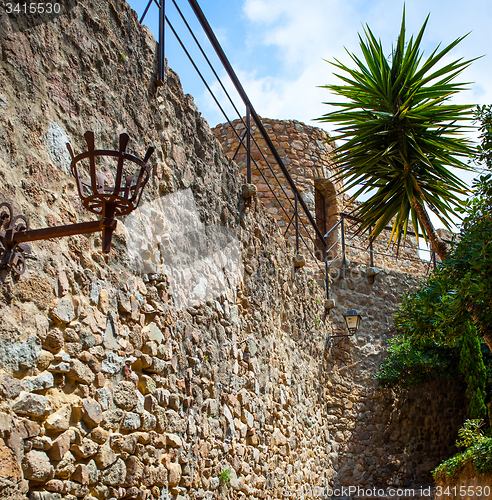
[486, 334]
[487, 337]
[437, 244]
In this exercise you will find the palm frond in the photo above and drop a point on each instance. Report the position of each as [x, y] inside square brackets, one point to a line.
[400, 133]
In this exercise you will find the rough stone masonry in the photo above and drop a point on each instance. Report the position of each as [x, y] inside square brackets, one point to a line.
[109, 391]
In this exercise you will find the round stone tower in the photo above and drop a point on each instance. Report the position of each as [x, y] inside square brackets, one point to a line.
[307, 154]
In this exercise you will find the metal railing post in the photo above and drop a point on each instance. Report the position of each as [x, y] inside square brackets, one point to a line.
[248, 145]
[344, 259]
[327, 279]
[160, 56]
[297, 223]
[371, 249]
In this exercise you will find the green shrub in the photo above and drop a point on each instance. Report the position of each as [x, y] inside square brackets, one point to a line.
[409, 364]
[225, 477]
[478, 452]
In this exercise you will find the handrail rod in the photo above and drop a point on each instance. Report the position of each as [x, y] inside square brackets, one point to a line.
[241, 140]
[232, 75]
[202, 77]
[401, 246]
[338, 241]
[208, 61]
[388, 228]
[332, 229]
[387, 254]
[334, 259]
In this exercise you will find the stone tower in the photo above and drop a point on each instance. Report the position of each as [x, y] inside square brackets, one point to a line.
[306, 152]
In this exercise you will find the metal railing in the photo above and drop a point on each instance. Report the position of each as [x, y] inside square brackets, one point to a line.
[301, 220]
[293, 206]
[348, 239]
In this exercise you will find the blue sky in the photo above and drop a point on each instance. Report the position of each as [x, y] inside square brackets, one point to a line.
[277, 47]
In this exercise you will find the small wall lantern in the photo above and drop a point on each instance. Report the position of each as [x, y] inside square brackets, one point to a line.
[352, 321]
[98, 197]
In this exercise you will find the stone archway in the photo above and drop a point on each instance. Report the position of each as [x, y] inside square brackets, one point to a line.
[326, 213]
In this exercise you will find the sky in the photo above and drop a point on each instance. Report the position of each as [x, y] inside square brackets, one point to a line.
[279, 48]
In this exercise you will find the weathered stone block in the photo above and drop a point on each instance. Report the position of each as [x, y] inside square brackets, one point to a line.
[86, 448]
[54, 340]
[125, 395]
[134, 471]
[104, 397]
[105, 456]
[35, 289]
[174, 473]
[45, 360]
[112, 418]
[173, 440]
[41, 382]
[16, 357]
[10, 387]
[148, 421]
[80, 372]
[153, 333]
[64, 310]
[91, 412]
[60, 420]
[60, 446]
[81, 474]
[31, 405]
[155, 476]
[131, 421]
[115, 474]
[9, 466]
[37, 466]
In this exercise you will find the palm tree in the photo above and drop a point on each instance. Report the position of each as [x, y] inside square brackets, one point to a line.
[401, 135]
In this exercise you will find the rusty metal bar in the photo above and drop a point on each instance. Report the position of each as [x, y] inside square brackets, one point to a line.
[237, 84]
[241, 142]
[248, 145]
[162, 31]
[371, 249]
[297, 222]
[55, 232]
[327, 279]
[344, 260]
[208, 60]
[145, 12]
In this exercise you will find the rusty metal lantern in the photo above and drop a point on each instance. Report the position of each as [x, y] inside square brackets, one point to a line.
[102, 199]
[97, 195]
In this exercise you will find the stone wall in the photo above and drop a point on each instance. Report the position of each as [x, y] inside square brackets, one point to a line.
[305, 151]
[307, 154]
[108, 390]
[466, 484]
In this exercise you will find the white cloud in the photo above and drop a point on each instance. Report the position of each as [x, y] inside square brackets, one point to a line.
[301, 34]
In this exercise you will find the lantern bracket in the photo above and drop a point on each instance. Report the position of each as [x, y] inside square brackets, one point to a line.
[106, 201]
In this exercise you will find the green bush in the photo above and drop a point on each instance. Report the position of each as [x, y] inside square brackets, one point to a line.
[409, 364]
[478, 452]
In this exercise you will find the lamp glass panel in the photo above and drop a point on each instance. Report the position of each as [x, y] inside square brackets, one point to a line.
[352, 322]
